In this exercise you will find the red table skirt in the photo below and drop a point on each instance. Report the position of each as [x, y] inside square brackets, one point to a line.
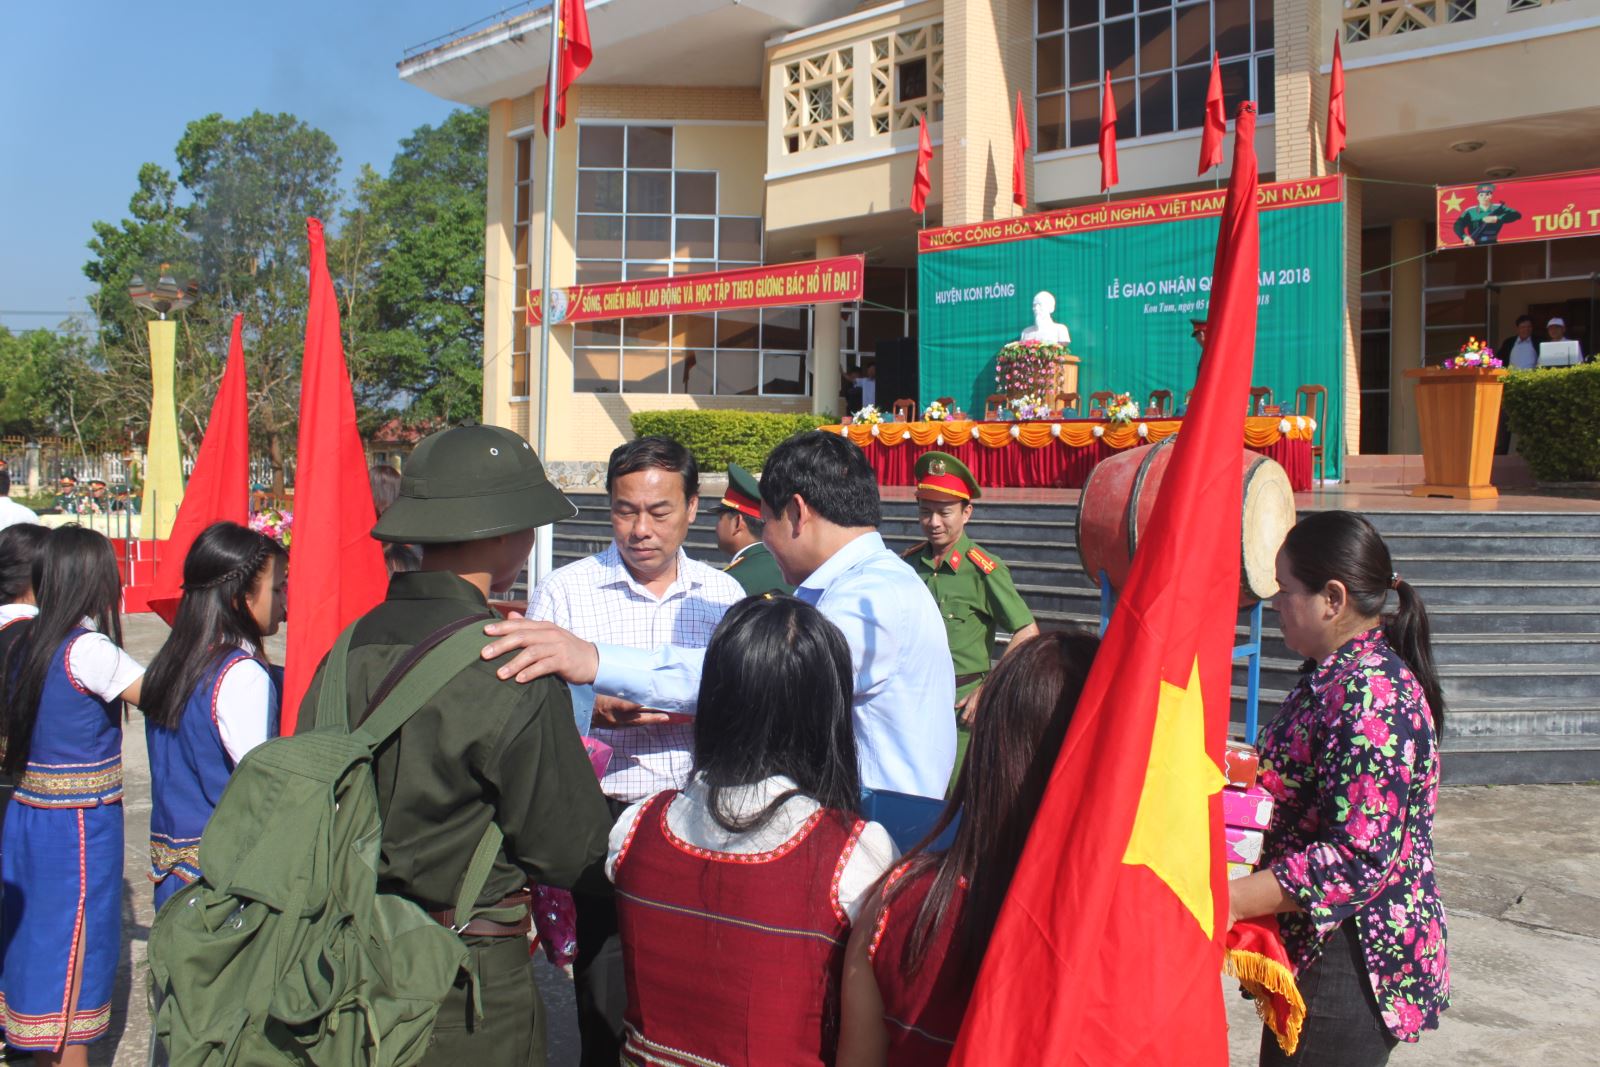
[1055, 466]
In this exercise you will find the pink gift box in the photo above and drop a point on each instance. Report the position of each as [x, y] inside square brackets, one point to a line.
[1247, 809]
[1242, 846]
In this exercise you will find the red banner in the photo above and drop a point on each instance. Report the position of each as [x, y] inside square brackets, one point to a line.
[819, 281]
[1528, 209]
[1324, 190]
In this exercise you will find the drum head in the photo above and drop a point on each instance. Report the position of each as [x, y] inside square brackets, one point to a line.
[1268, 515]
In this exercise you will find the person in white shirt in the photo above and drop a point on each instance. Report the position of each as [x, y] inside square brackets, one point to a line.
[642, 591]
[12, 512]
[209, 695]
[819, 503]
[1520, 351]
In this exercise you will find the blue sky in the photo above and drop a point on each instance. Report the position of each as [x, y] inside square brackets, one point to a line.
[90, 90]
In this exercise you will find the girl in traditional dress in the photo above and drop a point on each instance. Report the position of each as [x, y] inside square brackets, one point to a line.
[735, 895]
[914, 955]
[63, 682]
[210, 696]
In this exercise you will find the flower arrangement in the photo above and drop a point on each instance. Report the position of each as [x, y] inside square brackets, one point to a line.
[1029, 367]
[1122, 409]
[868, 416]
[278, 525]
[935, 412]
[1030, 406]
[1474, 354]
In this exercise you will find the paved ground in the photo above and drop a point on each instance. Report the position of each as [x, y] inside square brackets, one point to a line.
[1519, 868]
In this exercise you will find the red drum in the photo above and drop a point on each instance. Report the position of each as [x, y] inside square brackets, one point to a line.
[1120, 496]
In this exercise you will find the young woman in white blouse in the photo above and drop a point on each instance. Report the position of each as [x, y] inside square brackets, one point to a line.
[736, 895]
[210, 695]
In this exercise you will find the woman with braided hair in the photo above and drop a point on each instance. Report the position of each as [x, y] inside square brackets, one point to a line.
[210, 696]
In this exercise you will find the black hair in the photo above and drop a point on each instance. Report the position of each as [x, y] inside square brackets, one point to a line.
[5, 482]
[1524, 319]
[20, 545]
[74, 578]
[401, 558]
[221, 570]
[755, 526]
[654, 452]
[1341, 546]
[829, 472]
[385, 482]
[775, 699]
[1024, 711]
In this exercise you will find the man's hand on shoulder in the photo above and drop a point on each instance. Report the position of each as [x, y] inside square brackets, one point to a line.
[542, 648]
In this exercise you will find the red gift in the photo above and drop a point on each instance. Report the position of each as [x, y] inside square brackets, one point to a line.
[1240, 762]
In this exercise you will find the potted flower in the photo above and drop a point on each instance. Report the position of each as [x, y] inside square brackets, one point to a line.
[935, 412]
[868, 416]
[1122, 410]
[1473, 354]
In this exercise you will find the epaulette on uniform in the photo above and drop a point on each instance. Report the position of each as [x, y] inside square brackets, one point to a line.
[977, 555]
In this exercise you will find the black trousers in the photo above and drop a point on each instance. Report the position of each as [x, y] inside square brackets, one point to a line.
[1343, 1027]
[598, 981]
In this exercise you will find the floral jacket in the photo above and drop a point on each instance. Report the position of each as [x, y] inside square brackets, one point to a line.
[1354, 765]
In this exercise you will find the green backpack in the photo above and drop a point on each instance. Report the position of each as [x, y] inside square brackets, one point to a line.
[284, 952]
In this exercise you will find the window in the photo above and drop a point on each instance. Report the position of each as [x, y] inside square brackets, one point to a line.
[1159, 58]
[818, 108]
[1376, 307]
[521, 246]
[640, 217]
[907, 77]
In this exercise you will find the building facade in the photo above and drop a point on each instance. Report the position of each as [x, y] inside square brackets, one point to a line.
[712, 134]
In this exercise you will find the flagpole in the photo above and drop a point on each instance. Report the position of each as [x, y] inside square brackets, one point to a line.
[544, 544]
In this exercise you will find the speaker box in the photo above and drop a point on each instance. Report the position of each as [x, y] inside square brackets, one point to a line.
[897, 372]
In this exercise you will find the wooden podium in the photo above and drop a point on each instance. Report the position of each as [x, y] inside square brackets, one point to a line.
[1458, 412]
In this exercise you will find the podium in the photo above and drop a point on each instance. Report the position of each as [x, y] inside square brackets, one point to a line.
[1458, 412]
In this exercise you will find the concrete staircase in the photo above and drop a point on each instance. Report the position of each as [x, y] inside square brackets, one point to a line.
[1514, 600]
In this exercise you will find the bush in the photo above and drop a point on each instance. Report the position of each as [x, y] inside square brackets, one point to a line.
[1556, 417]
[718, 438]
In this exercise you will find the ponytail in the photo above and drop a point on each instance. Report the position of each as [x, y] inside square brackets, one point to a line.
[1408, 634]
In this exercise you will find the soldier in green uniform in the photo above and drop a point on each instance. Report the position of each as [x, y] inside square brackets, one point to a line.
[482, 749]
[973, 589]
[739, 535]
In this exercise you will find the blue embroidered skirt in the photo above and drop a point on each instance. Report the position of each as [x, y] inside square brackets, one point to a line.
[62, 874]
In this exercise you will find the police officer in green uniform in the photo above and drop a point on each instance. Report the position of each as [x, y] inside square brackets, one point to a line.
[973, 589]
[482, 749]
[739, 535]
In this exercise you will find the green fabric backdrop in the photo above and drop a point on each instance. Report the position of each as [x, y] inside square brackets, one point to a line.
[973, 300]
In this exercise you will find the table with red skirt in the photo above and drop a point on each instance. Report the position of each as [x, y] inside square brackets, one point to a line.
[1058, 454]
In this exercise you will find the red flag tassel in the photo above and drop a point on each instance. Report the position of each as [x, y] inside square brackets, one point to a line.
[1256, 957]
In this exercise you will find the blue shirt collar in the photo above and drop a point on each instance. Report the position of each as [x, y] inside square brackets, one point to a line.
[841, 561]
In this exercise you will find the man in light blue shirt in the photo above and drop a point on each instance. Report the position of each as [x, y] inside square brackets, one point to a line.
[819, 502]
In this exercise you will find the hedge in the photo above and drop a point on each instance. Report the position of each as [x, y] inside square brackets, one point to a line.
[718, 438]
[1555, 415]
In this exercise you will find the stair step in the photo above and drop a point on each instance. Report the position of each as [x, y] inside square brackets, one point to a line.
[1523, 759]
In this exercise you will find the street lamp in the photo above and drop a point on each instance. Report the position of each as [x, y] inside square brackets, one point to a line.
[163, 468]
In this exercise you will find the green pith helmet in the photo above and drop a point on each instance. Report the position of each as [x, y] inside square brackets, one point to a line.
[471, 483]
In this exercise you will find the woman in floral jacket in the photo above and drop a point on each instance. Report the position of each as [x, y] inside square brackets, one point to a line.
[1353, 762]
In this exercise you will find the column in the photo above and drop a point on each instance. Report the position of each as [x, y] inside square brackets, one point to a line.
[988, 59]
[163, 475]
[825, 326]
[499, 261]
[1407, 244]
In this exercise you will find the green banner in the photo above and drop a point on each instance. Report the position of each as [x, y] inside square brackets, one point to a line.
[1127, 293]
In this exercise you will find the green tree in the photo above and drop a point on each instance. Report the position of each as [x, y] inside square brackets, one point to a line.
[36, 381]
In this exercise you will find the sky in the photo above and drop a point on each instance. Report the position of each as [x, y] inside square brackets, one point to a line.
[90, 90]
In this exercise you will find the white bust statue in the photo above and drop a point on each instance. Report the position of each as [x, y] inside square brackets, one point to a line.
[1045, 328]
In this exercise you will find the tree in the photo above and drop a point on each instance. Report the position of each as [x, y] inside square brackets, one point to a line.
[36, 378]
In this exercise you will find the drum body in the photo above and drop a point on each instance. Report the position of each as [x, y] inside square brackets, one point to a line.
[1119, 500]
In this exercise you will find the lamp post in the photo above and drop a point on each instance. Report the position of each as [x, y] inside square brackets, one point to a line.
[163, 469]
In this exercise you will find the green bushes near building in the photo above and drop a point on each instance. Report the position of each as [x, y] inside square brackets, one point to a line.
[717, 438]
[1555, 415]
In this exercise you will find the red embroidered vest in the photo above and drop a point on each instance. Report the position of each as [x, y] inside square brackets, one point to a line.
[921, 1011]
[732, 959]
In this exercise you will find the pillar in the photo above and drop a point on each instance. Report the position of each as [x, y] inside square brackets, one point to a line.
[163, 475]
[988, 59]
[1407, 245]
[500, 269]
[826, 320]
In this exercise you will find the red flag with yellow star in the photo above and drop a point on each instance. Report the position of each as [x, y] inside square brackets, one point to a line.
[1108, 949]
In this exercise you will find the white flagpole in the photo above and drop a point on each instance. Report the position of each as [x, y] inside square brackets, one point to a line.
[544, 545]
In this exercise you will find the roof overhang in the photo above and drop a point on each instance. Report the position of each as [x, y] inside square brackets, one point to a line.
[636, 42]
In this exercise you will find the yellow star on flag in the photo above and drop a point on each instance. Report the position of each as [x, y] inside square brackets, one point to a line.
[1172, 830]
[1452, 202]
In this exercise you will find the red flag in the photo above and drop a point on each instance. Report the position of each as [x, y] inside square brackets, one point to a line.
[1336, 127]
[922, 184]
[336, 569]
[1109, 945]
[576, 53]
[1216, 122]
[1108, 138]
[1019, 158]
[219, 486]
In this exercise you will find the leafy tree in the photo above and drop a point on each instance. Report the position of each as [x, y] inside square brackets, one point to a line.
[36, 378]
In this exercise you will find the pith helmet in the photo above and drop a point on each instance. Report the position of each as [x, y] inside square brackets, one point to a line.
[471, 483]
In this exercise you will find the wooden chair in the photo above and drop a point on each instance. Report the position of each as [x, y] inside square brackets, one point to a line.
[1312, 401]
[905, 410]
[992, 405]
[1160, 403]
[1069, 402]
[1260, 395]
[1101, 399]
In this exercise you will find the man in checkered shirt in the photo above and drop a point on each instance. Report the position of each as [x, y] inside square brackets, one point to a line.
[642, 592]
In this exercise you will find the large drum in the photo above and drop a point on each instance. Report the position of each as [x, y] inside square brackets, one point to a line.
[1120, 497]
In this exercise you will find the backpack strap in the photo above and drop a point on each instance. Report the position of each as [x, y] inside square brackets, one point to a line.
[331, 713]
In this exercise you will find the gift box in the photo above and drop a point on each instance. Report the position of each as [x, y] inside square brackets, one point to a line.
[1247, 809]
[1239, 870]
[1240, 763]
[1242, 846]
